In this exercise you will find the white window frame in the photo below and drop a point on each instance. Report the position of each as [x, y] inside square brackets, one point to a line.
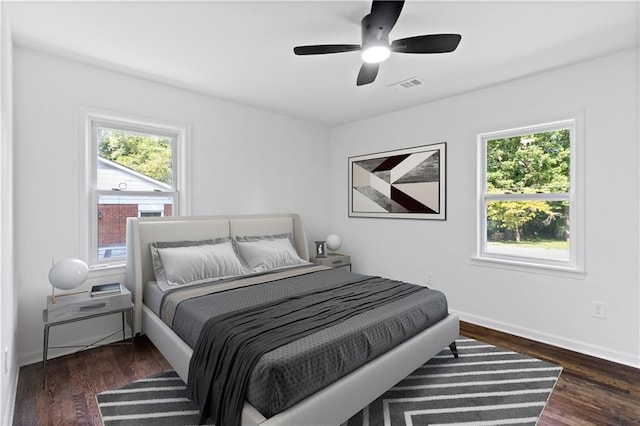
[575, 265]
[88, 120]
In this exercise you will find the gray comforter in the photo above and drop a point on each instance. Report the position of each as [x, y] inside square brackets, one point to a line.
[296, 370]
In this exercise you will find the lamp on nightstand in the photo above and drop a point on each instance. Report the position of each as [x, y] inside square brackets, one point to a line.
[333, 242]
[67, 274]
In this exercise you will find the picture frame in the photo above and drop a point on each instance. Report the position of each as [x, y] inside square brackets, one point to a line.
[407, 183]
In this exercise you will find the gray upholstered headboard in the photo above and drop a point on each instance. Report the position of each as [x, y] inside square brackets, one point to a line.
[142, 231]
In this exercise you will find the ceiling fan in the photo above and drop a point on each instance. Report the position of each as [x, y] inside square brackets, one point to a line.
[376, 48]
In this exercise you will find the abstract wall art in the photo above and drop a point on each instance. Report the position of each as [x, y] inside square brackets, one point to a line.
[402, 184]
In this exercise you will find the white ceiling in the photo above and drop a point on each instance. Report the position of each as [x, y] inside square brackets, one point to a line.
[243, 51]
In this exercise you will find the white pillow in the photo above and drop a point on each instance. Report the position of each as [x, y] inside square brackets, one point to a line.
[196, 264]
[268, 254]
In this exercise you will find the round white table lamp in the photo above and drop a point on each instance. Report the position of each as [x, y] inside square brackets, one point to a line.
[67, 274]
[333, 242]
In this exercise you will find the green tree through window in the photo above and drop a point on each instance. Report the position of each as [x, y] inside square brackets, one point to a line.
[528, 164]
[149, 155]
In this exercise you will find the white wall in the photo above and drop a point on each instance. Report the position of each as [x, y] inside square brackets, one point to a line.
[8, 298]
[548, 308]
[244, 160]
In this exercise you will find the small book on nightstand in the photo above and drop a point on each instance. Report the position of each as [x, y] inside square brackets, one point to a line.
[105, 289]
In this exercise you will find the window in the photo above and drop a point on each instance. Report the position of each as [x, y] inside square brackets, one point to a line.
[133, 170]
[528, 200]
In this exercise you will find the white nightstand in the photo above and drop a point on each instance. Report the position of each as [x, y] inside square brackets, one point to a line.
[80, 307]
[335, 260]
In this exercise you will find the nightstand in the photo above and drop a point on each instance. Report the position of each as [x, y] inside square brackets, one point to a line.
[80, 307]
[335, 260]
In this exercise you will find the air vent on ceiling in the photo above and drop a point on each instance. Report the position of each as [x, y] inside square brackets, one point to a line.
[407, 84]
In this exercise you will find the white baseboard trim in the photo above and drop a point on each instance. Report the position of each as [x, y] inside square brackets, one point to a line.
[8, 410]
[632, 360]
[35, 356]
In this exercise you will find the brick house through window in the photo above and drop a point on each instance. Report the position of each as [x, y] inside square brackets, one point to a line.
[113, 210]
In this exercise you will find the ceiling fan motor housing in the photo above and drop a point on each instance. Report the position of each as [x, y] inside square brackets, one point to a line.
[373, 31]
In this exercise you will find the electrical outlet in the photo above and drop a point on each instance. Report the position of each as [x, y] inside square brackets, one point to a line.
[429, 278]
[598, 309]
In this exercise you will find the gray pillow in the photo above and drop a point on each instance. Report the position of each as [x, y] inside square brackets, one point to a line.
[180, 263]
[268, 252]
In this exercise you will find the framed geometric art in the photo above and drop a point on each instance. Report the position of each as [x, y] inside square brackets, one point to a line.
[402, 184]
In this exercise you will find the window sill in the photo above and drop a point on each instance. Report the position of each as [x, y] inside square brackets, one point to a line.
[107, 269]
[529, 266]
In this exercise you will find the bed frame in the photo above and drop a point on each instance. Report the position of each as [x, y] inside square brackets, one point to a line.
[332, 405]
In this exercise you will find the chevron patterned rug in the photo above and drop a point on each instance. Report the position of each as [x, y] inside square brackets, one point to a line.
[486, 385]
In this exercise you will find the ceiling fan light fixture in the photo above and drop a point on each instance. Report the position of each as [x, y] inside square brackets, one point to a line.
[375, 47]
[375, 52]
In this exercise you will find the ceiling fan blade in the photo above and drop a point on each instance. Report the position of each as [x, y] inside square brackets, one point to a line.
[433, 43]
[367, 74]
[385, 13]
[322, 49]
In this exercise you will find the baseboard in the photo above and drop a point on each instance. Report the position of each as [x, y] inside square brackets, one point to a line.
[36, 355]
[10, 402]
[550, 339]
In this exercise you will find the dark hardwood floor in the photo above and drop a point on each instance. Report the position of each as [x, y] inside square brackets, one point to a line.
[73, 381]
[590, 391]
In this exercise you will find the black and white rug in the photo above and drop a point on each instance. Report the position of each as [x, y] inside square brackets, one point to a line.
[487, 385]
[156, 400]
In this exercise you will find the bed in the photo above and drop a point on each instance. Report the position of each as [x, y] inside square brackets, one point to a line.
[330, 405]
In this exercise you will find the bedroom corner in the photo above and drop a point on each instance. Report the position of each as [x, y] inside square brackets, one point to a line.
[8, 292]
